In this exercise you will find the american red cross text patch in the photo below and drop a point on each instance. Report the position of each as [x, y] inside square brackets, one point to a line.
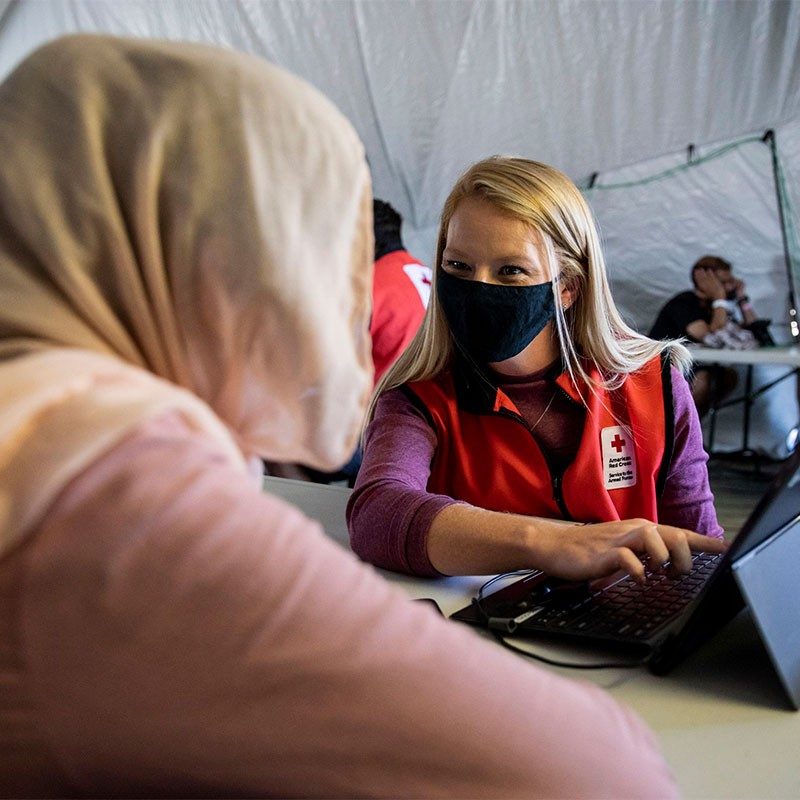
[619, 458]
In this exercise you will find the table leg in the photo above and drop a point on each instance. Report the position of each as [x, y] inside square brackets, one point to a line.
[748, 404]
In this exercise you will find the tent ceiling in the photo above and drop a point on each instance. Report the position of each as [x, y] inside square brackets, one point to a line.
[435, 84]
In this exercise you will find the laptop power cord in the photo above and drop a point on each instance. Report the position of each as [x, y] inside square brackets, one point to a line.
[501, 627]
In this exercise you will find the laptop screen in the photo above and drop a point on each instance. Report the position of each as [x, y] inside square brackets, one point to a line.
[779, 505]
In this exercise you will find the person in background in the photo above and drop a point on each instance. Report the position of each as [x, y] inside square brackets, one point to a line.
[184, 287]
[400, 292]
[525, 405]
[717, 313]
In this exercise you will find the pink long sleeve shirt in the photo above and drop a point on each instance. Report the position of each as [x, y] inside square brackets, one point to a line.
[170, 630]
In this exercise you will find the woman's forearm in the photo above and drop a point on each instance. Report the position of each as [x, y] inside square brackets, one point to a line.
[465, 540]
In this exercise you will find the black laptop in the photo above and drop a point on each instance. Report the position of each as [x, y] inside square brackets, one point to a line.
[667, 618]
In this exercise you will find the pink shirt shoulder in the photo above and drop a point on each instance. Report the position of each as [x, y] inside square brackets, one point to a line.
[182, 632]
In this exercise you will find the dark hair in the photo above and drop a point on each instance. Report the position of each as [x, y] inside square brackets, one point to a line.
[709, 262]
[387, 224]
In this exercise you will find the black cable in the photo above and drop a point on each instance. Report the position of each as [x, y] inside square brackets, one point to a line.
[569, 665]
[491, 624]
[494, 578]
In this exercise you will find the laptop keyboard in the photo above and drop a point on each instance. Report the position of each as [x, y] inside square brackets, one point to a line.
[625, 609]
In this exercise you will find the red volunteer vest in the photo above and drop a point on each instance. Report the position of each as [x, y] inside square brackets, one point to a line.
[487, 456]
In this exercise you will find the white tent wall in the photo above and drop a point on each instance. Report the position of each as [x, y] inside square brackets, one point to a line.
[617, 87]
[655, 231]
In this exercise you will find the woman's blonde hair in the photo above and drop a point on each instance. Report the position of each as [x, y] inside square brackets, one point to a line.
[591, 328]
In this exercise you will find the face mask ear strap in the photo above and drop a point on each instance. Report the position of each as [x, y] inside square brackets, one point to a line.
[556, 291]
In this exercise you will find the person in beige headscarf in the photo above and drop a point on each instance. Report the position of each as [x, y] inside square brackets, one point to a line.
[185, 243]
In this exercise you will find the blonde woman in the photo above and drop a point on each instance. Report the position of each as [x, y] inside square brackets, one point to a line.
[525, 402]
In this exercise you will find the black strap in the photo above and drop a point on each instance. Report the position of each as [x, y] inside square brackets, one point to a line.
[669, 422]
[418, 403]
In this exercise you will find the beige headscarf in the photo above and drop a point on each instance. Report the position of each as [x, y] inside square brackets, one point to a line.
[180, 227]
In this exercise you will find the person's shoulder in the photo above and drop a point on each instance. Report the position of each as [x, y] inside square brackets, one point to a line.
[423, 395]
[172, 440]
[400, 276]
[657, 371]
[401, 406]
[684, 409]
[675, 315]
[161, 465]
[393, 263]
[399, 399]
[392, 398]
[645, 373]
[687, 298]
[442, 381]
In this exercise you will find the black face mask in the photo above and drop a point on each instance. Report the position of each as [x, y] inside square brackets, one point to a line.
[491, 323]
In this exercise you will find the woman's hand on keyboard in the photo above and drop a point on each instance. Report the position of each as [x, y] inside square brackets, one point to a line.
[585, 552]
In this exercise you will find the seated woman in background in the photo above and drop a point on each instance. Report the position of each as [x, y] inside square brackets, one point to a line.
[185, 251]
[525, 401]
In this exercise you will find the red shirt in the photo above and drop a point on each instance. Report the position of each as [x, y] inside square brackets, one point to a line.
[400, 293]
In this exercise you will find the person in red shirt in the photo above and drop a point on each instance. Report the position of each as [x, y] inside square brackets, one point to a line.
[400, 291]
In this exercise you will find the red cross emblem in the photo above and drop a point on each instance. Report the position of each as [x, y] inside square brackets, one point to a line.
[618, 443]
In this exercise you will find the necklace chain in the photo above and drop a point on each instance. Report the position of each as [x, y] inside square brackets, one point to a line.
[546, 409]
